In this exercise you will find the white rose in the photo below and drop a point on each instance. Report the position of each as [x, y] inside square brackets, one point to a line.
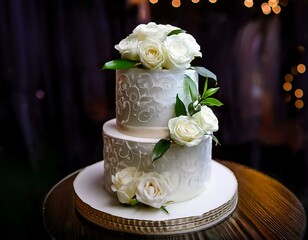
[152, 31]
[185, 130]
[191, 44]
[181, 49]
[128, 48]
[127, 192]
[124, 177]
[164, 30]
[153, 189]
[206, 119]
[151, 54]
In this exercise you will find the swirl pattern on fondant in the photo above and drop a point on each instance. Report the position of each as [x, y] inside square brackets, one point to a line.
[145, 100]
[190, 166]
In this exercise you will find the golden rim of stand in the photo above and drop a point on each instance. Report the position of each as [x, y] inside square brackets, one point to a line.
[157, 227]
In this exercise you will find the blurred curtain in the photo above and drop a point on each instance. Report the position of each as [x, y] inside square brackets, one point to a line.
[54, 97]
[254, 96]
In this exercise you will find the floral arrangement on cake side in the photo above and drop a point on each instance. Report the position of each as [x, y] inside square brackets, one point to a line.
[155, 46]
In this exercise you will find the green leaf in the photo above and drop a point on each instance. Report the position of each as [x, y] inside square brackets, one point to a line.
[193, 90]
[120, 64]
[180, 108]
[215, 139]
[175, 32]
[205, 73]
[133, 201]
[163, 208]
[211, 102]
[209, 92]
[160, 148]
[192, 110]
[205, 86]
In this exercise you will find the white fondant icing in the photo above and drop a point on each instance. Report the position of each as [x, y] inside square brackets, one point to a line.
[190, 166]
[145, 99]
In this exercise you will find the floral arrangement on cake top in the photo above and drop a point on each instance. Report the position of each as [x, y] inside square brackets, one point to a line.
[155, 46]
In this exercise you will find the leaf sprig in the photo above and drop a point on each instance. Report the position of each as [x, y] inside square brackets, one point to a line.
[161, 148]
[120, 64]
[197, 100]
[204, 99]
[134, 202]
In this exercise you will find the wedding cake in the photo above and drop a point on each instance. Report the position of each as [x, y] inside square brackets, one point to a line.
[158, 149]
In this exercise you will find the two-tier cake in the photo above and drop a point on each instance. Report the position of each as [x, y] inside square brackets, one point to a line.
[157, 175]
[158, 104]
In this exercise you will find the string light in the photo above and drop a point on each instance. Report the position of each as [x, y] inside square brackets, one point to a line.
[299, 103]
[248, 3]
[284, 3]
[40, 94]
[287, 98]
[288, 77]
[269, 6]
[287, 86]
[294, 70]
[266, 9]
[301, 68]
[276, 9]
[176, 3]
[299, 93]
[273, 3]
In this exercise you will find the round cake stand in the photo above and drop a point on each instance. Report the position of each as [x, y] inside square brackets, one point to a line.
[214, 205]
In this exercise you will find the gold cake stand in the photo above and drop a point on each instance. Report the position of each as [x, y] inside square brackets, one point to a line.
[211, 207]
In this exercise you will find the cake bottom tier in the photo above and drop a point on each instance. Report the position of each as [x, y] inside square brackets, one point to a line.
[212, 206]
[189, 168]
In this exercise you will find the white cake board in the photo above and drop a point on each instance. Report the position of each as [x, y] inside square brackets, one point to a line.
[214, 205]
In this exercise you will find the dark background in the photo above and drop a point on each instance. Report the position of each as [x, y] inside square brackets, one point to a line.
[54, 98]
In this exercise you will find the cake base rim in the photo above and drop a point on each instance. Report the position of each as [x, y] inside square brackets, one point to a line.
[105, 211]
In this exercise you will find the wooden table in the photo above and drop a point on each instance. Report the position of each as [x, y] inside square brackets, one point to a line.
[266, 210]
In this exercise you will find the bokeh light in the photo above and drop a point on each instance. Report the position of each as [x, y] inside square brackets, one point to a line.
[276, 9]
[288, 77]
[294, 70]
[301, 68]
[287, 86]
[40, 94]
[248, 3]
[299, 103]
[287, 98]
[266, 9]
[299, 93]
[176, 3]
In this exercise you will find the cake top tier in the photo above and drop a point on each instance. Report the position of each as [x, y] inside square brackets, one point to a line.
[154, 86]
[145, 100]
